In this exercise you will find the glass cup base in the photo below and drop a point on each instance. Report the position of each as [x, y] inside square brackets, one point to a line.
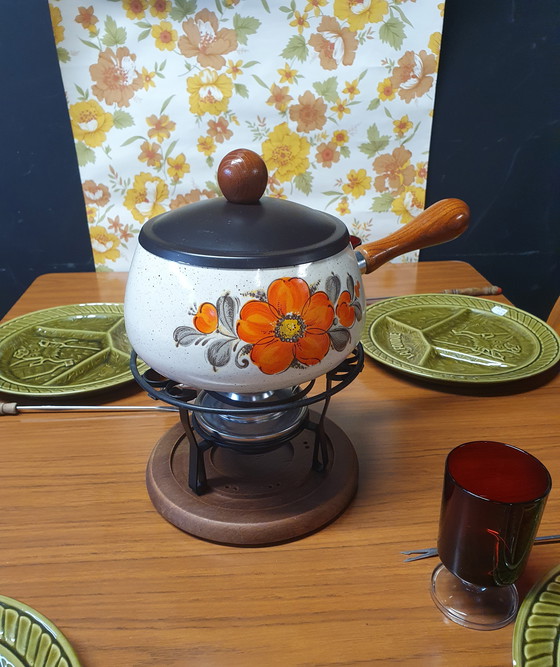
[473, 606]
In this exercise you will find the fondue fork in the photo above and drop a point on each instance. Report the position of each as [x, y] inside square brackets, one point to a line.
[432, 551]
[14, 408]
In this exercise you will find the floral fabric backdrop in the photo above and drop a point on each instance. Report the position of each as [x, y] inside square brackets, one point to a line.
[336, 95]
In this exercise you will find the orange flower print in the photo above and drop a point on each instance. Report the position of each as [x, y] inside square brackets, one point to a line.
[160, 127]
[150, 154]
[203, 40]
[115, 76]
[309, 113]
[395, 171]
[334, 44]
[218, 130]
[327, 154]
[290, 326]
[421, 172]
[96, 194]
[87, 18]
[191, 197]
[359, 14]
[206, 318]
[279, 98]
[135, 9]
[412, 75]
[344, 310]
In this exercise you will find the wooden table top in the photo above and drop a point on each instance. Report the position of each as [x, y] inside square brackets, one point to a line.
[84, 546]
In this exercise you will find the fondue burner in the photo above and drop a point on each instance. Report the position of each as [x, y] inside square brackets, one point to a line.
[252, 469]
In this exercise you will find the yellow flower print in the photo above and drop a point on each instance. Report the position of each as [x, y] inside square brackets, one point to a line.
[421, 172]
[402, 126]
[286, 153]
[340, 137]
[351, 89]
[206, 145]
[441, 8]
[90, 123]
[234, 69]
[342, 206]
[144, 198]
[315, 5]
[299, 22]
[359, 14]
[165, 36]
[386, 90]
[148, 78]
[434, 44]
[56, 20]
[340, 108]
[160, 127]
[357, 183]
[150, 154]
[105, 246]
[160, 8]
[178, 167]
[409, 203]
[135, 9]
[277, 193]
[91, 213]
[209, 92]
[287, 74]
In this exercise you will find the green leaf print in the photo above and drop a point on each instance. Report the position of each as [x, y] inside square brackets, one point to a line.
[241, 89]
[114, 35]
[182, 9]
[63, 55]
[84, 154]
[296, 48]
[327, 89]
[122, 119]
[243, 26]
[382, 204]
[376, 142]
[304, 182]
[392, 33]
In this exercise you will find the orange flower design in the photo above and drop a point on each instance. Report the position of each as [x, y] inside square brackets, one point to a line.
[335, 45]
[204, 40]
[94, 193]
[344, 310]
[191, 197]
[412, 75]
[395, 171]
[327, 154]
[206, 318]
[115, 76]
[309, 113]
[291, 326]
[279, 97]
[219, 130]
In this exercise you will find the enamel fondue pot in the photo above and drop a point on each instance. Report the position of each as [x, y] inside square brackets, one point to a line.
[246, 294]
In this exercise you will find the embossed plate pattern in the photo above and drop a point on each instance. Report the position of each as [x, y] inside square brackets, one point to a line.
[28, 639]
[65, 350]
[536, 635]
[453, 338]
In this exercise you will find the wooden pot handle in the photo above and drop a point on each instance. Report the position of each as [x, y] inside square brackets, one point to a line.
[443, 221]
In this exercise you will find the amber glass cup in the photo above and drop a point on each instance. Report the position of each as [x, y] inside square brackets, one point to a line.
[493, 499]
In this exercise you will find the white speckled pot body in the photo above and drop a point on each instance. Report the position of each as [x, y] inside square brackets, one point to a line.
[244, 331]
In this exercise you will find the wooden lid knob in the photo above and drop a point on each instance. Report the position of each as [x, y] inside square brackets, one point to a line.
[242, 176]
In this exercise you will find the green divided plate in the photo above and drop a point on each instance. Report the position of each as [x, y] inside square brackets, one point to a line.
[28, 639]
[65, 350]
[453, 338]
[536, 634]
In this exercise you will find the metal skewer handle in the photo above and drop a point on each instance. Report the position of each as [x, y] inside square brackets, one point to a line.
[14, 408]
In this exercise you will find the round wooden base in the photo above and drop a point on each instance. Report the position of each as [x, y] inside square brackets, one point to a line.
[253, 499]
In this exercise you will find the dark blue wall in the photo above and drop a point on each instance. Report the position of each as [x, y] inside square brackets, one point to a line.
[43, 227]
[495, 144]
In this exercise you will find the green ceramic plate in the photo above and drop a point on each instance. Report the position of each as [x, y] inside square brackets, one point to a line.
[453, 338]
[28, 639]
[536, 635]
[65, 351]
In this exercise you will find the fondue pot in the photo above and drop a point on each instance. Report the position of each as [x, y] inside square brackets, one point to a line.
[251, 294]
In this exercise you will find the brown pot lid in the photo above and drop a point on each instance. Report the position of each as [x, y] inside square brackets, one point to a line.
[243, 230]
